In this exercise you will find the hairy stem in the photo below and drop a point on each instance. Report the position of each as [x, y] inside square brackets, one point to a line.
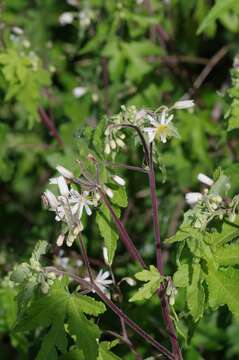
[164, 302]
[135, 327]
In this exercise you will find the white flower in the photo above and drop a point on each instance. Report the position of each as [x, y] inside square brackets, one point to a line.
[62, 185]
[65, 172]
[118, 180]
[184, 104]
[205, 179]
[161, 127]
[79, 202]
[193, 197]
[79, 91]
[102, 282]
[66, 18]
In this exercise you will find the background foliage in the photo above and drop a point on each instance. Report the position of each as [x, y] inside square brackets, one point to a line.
[143, 53]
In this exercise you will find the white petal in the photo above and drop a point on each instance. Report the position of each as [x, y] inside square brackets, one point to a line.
[169, 119]
[151, 133]
[193, 197]
[105, 275]
[163, 117]
[64, 172]
[184, 104]
[88, 210]
[205, 179]
[51, 199]
[163, 138]
[53, 181]
[62, 185]
[151, 119]
[119, 180]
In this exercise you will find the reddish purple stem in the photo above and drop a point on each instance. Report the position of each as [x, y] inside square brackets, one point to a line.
[164, 302]
[124, 235]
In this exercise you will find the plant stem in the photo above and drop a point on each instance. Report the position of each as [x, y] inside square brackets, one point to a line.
[135, 327]
[123, 233]
[164, 302]
[48, 122]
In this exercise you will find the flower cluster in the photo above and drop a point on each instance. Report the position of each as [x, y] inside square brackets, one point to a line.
[154, 126]
[212, 202]
[70, 204]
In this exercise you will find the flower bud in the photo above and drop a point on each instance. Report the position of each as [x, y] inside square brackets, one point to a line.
[60, 240]
[107, 149]
[184, 104]
[193, 197]
[109, 192]
[119, 180]
[205, 179]
[49, 199]
[64, 172]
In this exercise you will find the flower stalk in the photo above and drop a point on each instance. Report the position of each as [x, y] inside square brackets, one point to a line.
[164, 302]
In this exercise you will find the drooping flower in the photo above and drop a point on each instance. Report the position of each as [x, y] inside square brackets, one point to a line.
[161, 128]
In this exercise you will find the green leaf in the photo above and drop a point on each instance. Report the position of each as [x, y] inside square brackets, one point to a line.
[182, 234]
[228, 232]
[227, 255]
[120, 197]
[55, 339]
[20, 273]
[223, 288]
[217, 10]
[153, 279]
[39, 250]
[181, 276]
[87, 333]
[56, 309]
[88, 305]
[107, 230]
[196, 294]
[105, 353]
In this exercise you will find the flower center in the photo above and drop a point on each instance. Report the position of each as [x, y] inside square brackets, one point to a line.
[162, 129]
